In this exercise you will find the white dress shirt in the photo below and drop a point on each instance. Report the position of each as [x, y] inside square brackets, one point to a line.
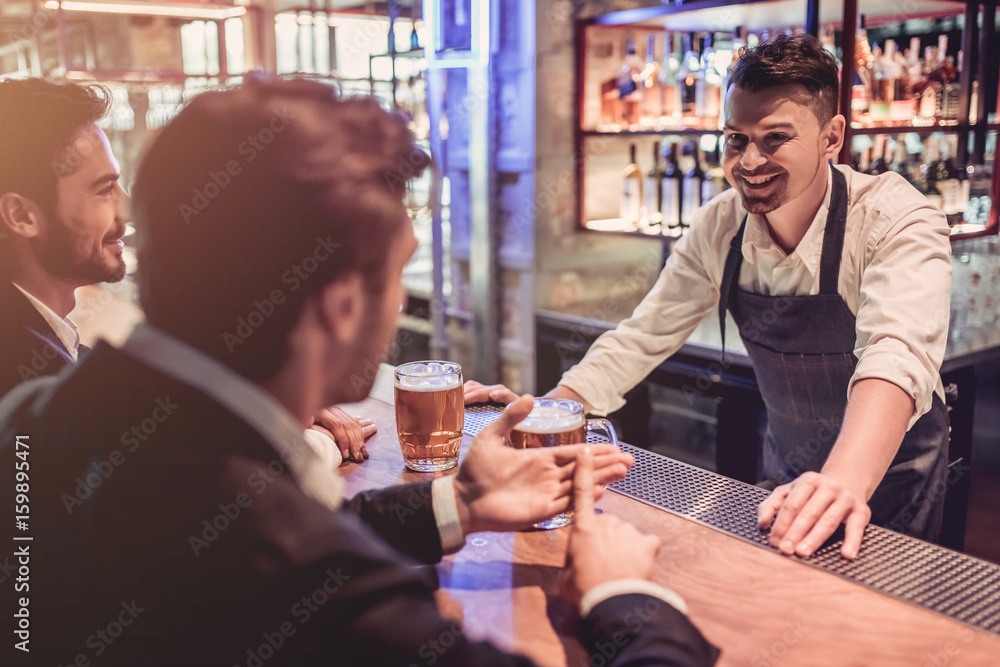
[303, 454]
[63, 327]
[895, 277]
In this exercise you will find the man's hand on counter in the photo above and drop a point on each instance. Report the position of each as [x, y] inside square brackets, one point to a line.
[602, 548]
[476, 392]
[498, 488]
[348, 431]
[809, 510]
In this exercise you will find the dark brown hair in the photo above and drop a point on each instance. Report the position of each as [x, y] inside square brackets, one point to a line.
[798, 59]
[37, 122]
[254, 198]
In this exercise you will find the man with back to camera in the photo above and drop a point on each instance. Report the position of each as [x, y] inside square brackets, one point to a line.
[839, 282]
[137, 546]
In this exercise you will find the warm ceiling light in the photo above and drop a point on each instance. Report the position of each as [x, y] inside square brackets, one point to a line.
[179, 10]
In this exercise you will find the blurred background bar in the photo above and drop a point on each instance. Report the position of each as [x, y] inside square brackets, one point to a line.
[572, 141]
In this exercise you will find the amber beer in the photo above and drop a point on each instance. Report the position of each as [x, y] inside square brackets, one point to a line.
[430, 414]
[553, 422]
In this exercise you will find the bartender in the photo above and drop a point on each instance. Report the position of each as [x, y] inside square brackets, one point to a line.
[839, 283]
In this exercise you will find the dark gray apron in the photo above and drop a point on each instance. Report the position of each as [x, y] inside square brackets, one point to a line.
[802, 350]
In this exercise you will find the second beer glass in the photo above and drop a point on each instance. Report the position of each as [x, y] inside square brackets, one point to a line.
[551, 423]
[430, 414]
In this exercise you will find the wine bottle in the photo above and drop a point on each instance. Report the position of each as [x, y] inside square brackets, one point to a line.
[631, 201]
[688, 80]
[670, 102]
[691, 186]
[654, 190]
[652, 99]
[708, 86]
[628, 87]
[715, 177]
[671, 187]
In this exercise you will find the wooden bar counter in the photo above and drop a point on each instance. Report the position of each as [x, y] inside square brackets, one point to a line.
[758, 607]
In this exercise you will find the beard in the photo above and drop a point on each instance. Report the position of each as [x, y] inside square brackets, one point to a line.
[67, 254]
[766, 200]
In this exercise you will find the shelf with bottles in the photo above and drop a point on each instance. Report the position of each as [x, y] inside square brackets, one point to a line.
[930, 164]
[675, 86]
[655, 190]
[630, 84]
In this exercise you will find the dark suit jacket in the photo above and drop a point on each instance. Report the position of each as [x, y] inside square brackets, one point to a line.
[166, 532]
[28, 346]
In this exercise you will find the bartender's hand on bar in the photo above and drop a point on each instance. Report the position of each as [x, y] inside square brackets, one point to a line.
[501, 489]
[808, 510]
[476, 392]
[602, 548]
[348, 432]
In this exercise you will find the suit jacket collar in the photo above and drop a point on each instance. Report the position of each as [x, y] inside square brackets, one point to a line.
[20, 313]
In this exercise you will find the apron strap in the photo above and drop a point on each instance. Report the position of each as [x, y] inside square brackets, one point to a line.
[833, 236]
[734, 260]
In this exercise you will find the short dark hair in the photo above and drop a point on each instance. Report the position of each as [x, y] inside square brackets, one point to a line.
[796, 59]
[254, 198]
[37, 122]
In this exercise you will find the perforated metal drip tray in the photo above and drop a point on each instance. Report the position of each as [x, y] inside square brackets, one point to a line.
[963, 588]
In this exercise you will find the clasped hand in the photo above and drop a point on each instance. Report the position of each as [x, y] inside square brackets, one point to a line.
[501, 489]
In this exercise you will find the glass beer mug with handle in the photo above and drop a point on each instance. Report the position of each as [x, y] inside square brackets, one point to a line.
[553, 422]
[430, 414]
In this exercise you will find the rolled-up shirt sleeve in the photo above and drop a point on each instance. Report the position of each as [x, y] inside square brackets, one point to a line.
[903, 314]
[684, 293]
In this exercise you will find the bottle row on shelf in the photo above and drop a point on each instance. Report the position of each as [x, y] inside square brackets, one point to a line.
[661, 197]
[681, 87]
[915, 86]
[664, 199]
[962, 192]
[682, 82]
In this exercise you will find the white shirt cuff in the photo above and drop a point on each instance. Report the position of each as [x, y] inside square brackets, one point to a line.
[325, 448]
[609, 589]
[446, 514]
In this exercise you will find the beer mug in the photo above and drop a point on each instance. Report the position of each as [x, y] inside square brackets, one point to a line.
[430, 414]
[553, 422]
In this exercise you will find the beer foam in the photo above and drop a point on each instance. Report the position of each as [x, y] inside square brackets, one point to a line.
[550, 420]
[428, 377]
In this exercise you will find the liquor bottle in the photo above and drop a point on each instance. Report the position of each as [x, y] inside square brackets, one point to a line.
[952, 183]
[628, 87]
[862, 85]
[739, 44]
[878, 164]
[715, 177]
[652, 99]
[654, 189]
[901, 163]
[671, 191]
[708, 86]
[931, 169]
[670, 102]
[691, 186]
[687, 77]
[631, 201]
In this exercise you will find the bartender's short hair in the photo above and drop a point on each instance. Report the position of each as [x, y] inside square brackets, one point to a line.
[38, 120]
[796, 59]
[254, 198]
